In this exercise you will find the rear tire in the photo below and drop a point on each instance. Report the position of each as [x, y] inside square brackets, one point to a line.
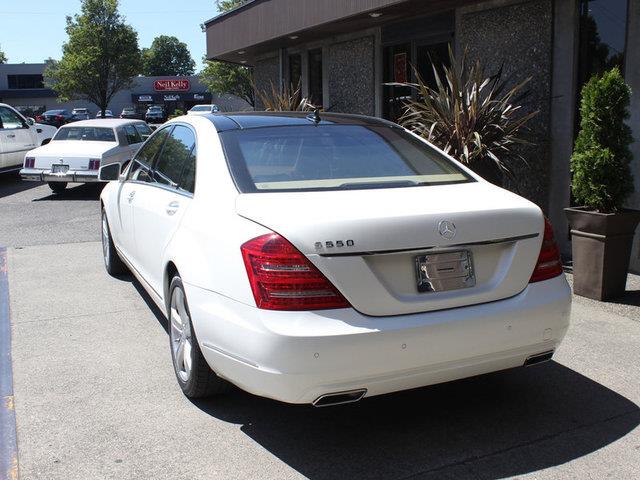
[194, 376]
[112, 261]
[58, 187]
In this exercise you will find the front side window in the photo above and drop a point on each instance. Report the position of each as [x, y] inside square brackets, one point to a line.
[175, 155]
[334, 157]
[88, 134]
[9, 120]
[141, 164]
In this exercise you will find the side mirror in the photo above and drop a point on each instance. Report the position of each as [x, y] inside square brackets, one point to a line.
[30, 121]
[110, 172]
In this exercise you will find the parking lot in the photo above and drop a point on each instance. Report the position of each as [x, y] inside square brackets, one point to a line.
[95, 395]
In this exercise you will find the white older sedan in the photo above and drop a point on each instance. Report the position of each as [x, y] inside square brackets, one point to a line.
[326, 258]
[78, 150]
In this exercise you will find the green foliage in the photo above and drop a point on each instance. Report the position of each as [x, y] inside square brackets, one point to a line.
[167, 56]
[3, 57]
[223, 77]
[176, 113]
[100, 58]
[602, 179]
[473, 117]
[226, 5]
[287, 100]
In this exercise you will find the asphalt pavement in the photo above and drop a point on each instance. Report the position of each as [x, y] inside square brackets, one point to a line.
[95, 395]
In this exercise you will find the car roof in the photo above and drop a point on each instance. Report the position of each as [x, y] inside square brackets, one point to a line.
[247, 120]
[103, 122]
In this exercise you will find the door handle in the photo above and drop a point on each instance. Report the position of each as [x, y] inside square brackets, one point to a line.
[131, 195]
[172, 208]
[11, 135]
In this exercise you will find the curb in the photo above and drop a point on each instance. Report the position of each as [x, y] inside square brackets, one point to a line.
[8, 438]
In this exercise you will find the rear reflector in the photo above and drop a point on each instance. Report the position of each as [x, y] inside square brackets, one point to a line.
[282, 278]
[29, 162]
[94, 164]
[549, 264]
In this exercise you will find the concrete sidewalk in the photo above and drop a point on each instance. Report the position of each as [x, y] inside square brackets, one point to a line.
[96, 397]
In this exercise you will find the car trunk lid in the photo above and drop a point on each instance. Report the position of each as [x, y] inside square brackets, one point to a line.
[374, 244]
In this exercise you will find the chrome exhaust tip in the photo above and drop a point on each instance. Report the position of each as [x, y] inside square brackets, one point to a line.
[339, 398]
[538, 358]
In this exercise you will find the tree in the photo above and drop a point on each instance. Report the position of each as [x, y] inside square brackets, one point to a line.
[226, 5]
[600, 164]
[223, 77]
[167, 56]
[3, 57]
[100, 58]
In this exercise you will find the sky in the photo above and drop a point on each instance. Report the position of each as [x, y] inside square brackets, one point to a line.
[33, 30]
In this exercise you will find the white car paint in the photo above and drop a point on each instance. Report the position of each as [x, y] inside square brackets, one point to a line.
[391, 337]
[203, 109]
[18, 136]
[77, 154]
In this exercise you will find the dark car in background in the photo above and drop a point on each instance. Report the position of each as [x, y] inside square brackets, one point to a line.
[130, 112]
[57, 118]
[155, 114]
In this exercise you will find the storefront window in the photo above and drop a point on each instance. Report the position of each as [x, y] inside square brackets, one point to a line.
[295, 70]
[315, 77]
[603, 32]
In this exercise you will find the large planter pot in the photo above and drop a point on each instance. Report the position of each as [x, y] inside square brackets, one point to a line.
[601, 245]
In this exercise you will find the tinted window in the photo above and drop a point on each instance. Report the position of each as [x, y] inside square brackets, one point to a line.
[9, 119]
[175, 155]
[143, 129]
[188, 180]
[201, 108]
[334, 157]
[146, 155]
[132, 134]
[90, 134]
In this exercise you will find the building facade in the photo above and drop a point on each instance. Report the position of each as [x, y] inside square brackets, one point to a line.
[343, 54]
[22, 86]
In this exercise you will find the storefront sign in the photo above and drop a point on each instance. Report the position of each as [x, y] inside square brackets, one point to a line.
[400, 67]
[198, 96]
[171, 98]
[171, 85]
[145, 98]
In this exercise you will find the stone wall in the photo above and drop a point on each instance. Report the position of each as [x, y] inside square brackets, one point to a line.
[351, 72]
[266, 72]
[518, 36]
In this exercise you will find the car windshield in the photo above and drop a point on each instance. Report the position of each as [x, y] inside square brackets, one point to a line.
[334, 157]
[201, 108]
[90, 134]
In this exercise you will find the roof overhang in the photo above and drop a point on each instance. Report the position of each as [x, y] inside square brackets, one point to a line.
[262, 26]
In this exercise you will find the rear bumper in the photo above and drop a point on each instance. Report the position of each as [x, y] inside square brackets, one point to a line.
[71, 176]
[296, 357]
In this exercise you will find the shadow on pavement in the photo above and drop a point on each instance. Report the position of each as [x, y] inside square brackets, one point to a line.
[10, 184]
[492, 426]
[82, 191]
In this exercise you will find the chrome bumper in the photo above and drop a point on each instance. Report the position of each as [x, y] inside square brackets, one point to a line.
[70, 176]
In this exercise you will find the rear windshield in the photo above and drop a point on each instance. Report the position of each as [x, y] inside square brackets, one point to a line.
[91, 134]
[334, 157]
[202, 108]
[54, 112]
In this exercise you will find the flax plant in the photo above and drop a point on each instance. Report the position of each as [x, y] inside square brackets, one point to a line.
[475, 118]
[289, 100]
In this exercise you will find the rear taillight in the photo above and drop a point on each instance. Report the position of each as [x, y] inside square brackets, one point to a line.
[549, 264]
[29, 162]
[282, 278]
[94, 164]
[59, 117]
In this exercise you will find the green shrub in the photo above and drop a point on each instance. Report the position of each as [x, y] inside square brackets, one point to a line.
[602, 179]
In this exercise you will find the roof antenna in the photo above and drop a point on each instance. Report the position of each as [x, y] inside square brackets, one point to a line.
[315, 116]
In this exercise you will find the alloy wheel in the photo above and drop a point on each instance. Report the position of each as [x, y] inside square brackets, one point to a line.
[181, 338]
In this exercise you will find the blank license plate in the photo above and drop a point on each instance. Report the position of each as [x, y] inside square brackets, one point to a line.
[59, 168]
[438, 272]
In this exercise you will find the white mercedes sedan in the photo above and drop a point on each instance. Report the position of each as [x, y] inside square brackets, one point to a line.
[78, 149]
[324, 258]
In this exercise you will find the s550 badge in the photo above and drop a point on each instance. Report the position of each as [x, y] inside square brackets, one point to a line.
[334, 244]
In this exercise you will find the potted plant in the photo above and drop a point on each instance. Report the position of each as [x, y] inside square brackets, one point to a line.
[602, 229]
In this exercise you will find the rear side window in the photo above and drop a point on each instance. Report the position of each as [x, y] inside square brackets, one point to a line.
[175, 155]
[334, 157]
[146, 155]
[132, 134]
[188, 179]
[144, 130]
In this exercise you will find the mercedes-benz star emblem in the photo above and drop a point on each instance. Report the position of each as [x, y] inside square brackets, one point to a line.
[447, 229]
